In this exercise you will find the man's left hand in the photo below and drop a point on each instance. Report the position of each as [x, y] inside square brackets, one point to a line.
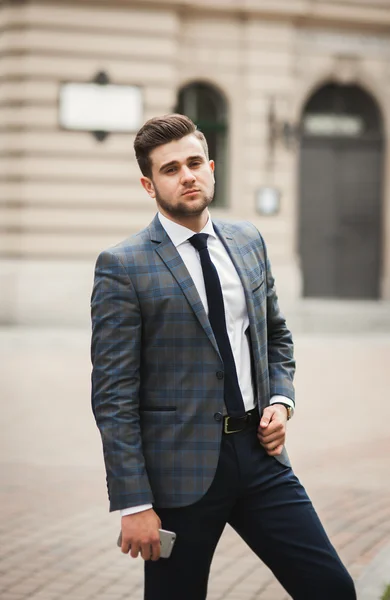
[272, 429]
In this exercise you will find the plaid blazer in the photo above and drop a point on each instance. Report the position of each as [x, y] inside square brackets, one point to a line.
[155, 359]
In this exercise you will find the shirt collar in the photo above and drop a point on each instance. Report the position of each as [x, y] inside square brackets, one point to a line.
[180, 234]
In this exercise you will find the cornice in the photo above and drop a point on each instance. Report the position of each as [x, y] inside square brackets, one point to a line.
[349, 13]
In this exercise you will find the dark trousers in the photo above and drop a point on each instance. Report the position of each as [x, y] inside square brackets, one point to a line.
[267, 506]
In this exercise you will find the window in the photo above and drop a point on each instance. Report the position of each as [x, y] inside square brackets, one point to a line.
[206, 106]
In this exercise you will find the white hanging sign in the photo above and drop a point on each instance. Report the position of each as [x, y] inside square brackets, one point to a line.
[95, 107]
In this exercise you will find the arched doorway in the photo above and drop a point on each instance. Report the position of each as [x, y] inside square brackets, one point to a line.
[206, 106]
[341, 169]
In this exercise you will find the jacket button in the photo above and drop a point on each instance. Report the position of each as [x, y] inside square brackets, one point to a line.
[218, 416]
[220, 374]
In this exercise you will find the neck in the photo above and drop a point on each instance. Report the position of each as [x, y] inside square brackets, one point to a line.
[193, 222]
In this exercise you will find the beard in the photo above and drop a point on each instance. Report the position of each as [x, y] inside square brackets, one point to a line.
[185, 208]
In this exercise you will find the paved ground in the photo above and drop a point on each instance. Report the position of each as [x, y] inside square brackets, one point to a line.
[57, 539]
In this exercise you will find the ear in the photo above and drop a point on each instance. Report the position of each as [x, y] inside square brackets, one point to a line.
[212, 167]
[147, 184]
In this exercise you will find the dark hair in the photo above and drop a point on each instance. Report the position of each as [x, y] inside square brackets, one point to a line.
[159, 131]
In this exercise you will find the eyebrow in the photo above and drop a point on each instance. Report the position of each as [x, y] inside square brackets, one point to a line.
[175, 162]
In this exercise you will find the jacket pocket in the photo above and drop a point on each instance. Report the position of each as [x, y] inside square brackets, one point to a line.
[258, 287]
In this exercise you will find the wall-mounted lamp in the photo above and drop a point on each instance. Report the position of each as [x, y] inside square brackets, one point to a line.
[268, 201]
[280, 130]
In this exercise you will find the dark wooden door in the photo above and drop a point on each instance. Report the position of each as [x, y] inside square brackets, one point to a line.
[340, 216]
[358, 193]
[318, 219]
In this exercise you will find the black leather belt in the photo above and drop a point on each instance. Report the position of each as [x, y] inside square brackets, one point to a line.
[236, 424]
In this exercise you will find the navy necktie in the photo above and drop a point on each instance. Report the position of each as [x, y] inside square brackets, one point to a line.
[232, 393]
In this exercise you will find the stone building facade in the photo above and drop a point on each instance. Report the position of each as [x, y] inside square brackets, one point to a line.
[304, 101]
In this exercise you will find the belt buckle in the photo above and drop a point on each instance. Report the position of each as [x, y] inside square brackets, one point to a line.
[225, 426]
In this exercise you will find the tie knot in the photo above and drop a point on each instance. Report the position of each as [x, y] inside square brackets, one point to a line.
[199, 241]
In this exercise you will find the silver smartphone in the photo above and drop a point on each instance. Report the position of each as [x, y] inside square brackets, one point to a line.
[167, 540]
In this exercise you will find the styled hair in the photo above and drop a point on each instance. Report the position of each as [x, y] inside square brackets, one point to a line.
[159, 131]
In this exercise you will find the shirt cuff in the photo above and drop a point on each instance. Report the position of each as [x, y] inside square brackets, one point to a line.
[134, 509]
[283, 400]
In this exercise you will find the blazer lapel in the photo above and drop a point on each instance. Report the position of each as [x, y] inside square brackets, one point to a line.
[226, 236]
[173, 261]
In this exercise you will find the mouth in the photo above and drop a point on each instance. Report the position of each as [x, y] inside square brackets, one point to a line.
[191, 192]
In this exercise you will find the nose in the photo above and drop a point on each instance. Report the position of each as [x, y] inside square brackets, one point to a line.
[187, 175]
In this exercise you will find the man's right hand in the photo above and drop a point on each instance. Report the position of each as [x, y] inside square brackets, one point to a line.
[140, 535]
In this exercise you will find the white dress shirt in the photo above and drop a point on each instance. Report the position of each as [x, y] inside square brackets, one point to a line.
[236, 315]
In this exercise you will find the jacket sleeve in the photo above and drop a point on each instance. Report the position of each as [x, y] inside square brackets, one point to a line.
[115, 353]
[281, 363]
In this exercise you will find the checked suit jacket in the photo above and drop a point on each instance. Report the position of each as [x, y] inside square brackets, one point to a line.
[156, 387]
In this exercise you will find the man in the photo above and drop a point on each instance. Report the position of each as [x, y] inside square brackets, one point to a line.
[193, 385]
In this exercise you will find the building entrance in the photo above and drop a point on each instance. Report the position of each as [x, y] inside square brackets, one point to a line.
[341, 164]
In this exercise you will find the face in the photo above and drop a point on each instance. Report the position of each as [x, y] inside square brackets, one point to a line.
[182, 178]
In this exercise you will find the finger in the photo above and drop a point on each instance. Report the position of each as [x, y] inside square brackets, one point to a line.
[134, 550]
[272, 431]
[265, 419]
[277, 451]
[269, 415]
[146, 551]
[271, 445]
[125, 546]
[156, 550]
[273, 436]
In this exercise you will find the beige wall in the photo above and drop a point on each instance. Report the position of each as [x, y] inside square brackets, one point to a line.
[64, 196]
[77, 194]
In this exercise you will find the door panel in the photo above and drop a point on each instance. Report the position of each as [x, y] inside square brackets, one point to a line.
[340, 239]
[358, 192]
[318, 219]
